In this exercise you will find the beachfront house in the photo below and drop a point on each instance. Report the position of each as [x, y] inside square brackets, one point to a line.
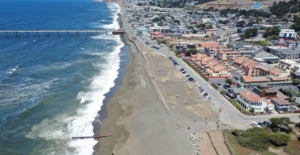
[251, 100]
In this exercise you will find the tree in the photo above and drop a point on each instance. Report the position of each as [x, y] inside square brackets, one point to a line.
[156, 19]
[271, 31]
[176, 21]
[252, 110]
[191, 51]
[296, 81]
[241, 23]
[252, 32]
[201, 26]
[228, 81]
[279, 139]
[289, 92]
[275, 122]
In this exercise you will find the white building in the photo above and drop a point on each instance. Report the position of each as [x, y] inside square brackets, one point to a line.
[287, 33]
[162, 29]
[250, 100]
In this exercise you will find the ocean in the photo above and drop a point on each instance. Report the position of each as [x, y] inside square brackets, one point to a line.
[52, 87]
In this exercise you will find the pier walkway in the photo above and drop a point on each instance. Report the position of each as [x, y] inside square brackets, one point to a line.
[18, 33]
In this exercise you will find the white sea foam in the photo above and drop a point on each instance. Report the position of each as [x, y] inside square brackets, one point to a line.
[63, 127]
[114, 8]
[53, 67]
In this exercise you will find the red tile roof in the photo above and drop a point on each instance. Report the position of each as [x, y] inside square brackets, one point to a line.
[252, 97]
[209, 44]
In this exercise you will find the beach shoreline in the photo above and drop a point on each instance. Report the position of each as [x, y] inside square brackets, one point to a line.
[138, 121]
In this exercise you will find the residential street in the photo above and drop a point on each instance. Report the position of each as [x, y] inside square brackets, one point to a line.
[229, 115]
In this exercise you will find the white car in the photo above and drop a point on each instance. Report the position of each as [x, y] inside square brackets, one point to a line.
[208, 97]
[254, 124]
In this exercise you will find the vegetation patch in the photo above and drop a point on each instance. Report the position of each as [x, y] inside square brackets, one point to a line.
[237, 149]
[170, 94]
[214, 86]
[293, 147]
[259, 139]
[239, 107]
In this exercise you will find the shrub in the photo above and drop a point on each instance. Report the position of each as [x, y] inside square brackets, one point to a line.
[255, 138]
[259, 139]
[279, 139]
[214, 86]
[252, 110]
[206, 36]
[222, 91]
[275, 129]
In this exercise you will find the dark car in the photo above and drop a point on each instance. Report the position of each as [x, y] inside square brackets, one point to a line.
[191, 80]
[182, 69]
[219, 84]
[205, 94]
[187, 76]
[183, 72]
[200, 89]
[170, 58]
[173, 61]
[236, 78]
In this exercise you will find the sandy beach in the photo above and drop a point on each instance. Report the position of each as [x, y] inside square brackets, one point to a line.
[140, 123]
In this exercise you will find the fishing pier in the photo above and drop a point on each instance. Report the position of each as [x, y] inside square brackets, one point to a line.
[18, 33]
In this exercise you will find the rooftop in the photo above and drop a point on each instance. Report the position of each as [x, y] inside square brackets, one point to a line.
[280, 101]
[250, 96]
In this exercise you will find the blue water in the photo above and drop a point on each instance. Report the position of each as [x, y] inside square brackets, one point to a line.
[51, 88]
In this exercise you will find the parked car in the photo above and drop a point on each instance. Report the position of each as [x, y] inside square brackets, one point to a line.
[219, 84]
[200, 89]
[208, 97]
[171, 58]
[183, 72]
[254, 123]
[187, 76]
[191, 79]
[182, 69]
[205, 94]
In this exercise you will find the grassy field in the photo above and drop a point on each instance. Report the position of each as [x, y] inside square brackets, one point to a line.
[237, 149]
[293, 148]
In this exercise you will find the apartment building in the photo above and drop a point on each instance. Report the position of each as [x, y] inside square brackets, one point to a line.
[288, 33]
[218, 71]
[287, 65]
